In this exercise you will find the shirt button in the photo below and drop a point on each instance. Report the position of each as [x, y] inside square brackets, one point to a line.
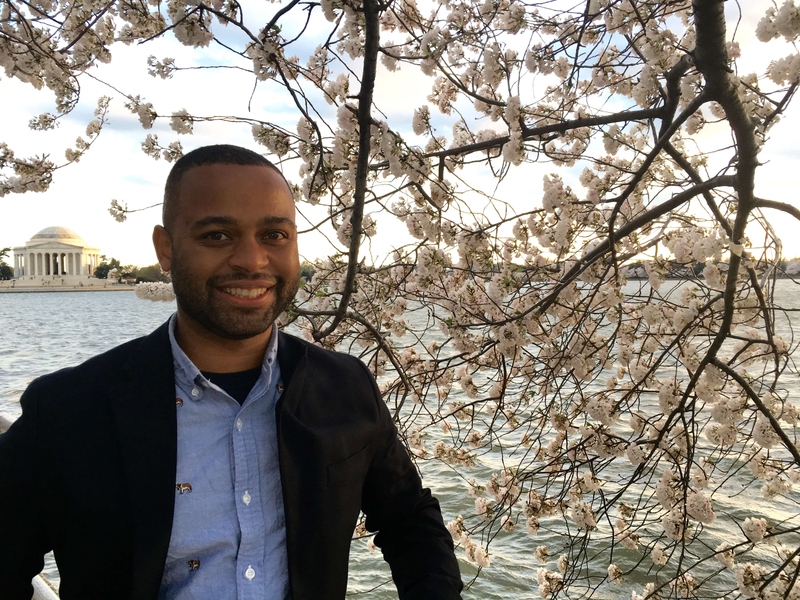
[239, 424]
[195, 391]
[246, 497]
[250, 573]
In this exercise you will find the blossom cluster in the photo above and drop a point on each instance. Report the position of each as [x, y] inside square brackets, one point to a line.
[155, 291]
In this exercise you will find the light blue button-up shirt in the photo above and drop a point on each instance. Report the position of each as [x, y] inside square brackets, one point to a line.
[229, 529]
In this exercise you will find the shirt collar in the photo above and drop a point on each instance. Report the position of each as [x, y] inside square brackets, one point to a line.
[189, 375]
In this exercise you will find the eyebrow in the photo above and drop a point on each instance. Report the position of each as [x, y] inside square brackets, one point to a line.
[220, 220]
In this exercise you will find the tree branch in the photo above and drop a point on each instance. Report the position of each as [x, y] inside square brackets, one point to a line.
[762, 408]
[371, 44]
[782, 206]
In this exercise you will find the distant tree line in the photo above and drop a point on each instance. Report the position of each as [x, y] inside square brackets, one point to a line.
[307, 270]
[6, 272]
[129, 273]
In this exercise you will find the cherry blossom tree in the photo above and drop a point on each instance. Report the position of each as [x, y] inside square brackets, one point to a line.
[580, 324]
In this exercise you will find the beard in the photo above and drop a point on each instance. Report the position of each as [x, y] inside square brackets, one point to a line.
[200, 301]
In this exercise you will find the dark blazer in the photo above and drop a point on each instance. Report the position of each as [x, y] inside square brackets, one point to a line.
[88, 471]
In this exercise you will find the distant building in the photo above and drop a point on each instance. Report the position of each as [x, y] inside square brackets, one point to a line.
[55, 251]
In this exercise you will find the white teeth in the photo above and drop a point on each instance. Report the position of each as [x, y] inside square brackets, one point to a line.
[245, 293]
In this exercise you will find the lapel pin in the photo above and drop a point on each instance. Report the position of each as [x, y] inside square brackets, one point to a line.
[184, 487]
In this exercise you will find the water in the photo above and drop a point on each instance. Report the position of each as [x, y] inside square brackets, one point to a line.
[45, 332]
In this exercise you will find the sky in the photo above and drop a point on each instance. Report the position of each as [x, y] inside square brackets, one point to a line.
[116, 168]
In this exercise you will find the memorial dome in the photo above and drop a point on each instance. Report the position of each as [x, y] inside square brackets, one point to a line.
[57, 233]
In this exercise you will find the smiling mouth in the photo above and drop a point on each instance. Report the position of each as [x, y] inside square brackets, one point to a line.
[245, 292]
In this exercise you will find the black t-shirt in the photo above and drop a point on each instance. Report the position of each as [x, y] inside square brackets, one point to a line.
[237, 385]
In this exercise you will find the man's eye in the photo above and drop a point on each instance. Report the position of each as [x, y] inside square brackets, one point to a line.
[275, 235]
[216, 236]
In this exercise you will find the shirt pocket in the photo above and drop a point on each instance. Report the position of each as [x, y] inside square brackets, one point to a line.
[352, 466]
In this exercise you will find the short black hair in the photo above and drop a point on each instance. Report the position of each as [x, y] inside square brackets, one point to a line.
[218, 154]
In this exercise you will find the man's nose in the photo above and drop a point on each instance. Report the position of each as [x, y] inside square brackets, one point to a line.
[249, 255]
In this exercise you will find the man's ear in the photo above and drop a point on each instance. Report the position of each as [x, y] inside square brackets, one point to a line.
[163, 245]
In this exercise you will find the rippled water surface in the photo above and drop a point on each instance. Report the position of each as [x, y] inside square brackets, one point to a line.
[43, 332]
[40, 333]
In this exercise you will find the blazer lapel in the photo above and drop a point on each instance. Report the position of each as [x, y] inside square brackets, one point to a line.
[292, 357]
[143, 403]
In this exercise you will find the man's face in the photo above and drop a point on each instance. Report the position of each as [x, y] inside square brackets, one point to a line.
[232, 250]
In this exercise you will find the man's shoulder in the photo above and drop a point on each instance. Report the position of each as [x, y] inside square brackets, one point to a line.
[332, 386]
[318, 354]
[106, 366]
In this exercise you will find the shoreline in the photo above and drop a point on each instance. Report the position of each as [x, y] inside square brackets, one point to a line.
[50, 290]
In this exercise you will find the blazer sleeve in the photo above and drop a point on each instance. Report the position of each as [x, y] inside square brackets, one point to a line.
[23, 537]
[411, 532]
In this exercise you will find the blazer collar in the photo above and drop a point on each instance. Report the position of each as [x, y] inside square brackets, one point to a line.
[143, 402]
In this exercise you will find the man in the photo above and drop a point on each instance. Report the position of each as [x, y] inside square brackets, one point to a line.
[217, 457]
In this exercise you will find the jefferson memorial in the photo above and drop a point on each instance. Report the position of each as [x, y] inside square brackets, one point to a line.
[55, 251]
